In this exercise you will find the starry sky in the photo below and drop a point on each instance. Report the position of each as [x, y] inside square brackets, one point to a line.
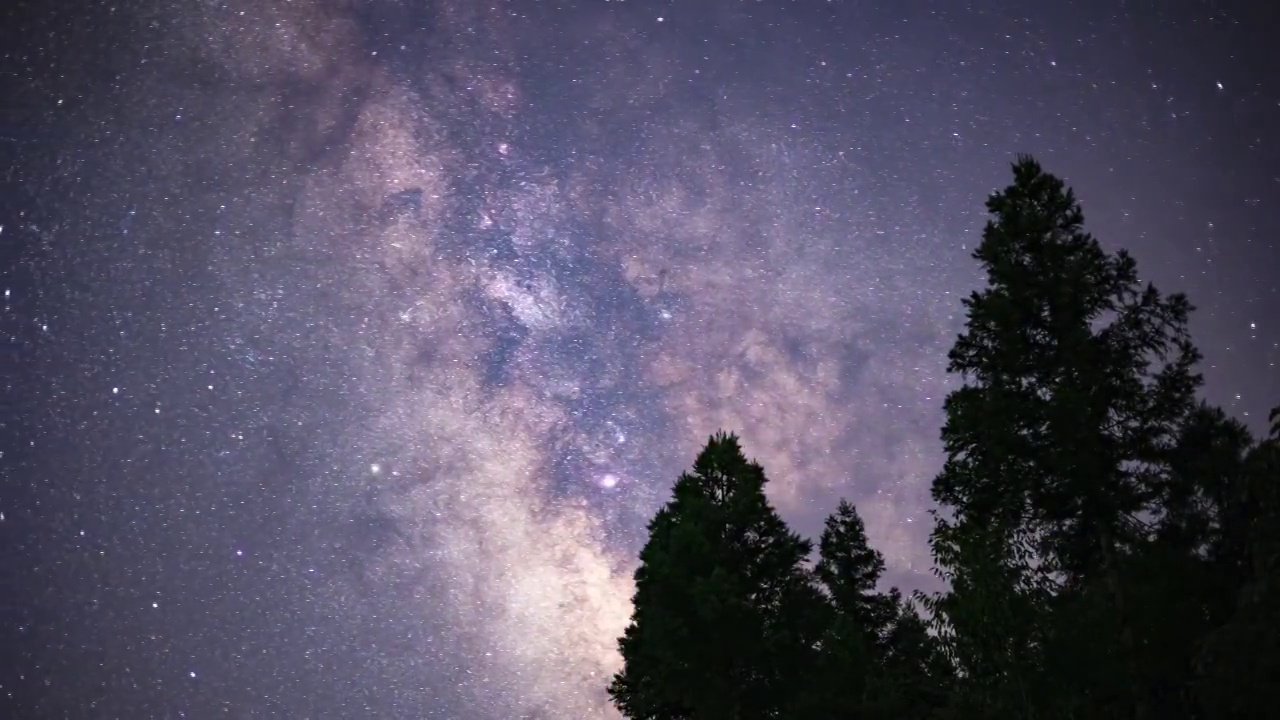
[347, 345]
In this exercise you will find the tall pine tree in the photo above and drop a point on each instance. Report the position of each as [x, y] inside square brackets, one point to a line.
[726, 615]
[1077, 377]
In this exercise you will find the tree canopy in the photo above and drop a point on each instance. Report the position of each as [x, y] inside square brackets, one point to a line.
[1109, 541]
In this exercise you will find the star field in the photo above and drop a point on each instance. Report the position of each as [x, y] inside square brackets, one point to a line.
[348, 345]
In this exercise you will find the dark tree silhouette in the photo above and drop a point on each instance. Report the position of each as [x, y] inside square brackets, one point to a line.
[725, 615]
[1077, 377]
[1110, 542]
[876, 659]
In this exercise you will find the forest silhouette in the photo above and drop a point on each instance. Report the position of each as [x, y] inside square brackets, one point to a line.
[1109, 541]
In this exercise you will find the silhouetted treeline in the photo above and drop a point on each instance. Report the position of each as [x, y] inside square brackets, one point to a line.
[1110, 542]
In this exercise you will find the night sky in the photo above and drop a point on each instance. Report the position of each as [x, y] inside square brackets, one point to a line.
[347, 346]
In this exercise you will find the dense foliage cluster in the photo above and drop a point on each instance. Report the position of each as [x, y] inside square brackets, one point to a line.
[1111, 543]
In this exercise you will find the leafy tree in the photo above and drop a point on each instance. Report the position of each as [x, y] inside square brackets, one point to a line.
[914, 677]
[1077, 377]
[1185, 581]
[726, 615]
[1204, 499]
[1239, 662]
[991, 625]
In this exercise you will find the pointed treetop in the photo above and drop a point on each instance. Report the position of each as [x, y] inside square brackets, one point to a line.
[720, 469]
[848, 560]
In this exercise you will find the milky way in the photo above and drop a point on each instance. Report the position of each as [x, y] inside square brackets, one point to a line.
[383, 328]
[521, 331]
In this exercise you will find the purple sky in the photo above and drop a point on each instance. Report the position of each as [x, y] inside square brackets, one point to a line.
[351, 343]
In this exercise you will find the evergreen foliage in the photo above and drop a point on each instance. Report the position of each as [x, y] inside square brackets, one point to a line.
[1110, 542]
